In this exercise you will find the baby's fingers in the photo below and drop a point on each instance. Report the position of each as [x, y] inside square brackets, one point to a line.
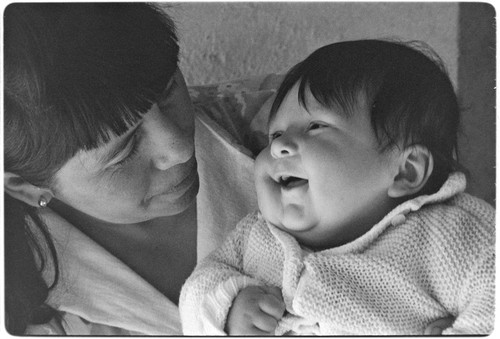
[265, 323]
[273, 306]
[438, 326]
[274, 290]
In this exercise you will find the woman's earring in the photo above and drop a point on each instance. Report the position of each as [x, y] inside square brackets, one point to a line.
[43, 202]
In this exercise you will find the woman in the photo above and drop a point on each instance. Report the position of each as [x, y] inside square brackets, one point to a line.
[100, 171]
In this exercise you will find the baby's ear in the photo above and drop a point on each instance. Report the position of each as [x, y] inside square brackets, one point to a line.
[22, 190]
[414, 169]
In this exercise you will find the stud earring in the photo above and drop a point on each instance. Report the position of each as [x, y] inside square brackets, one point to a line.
[42, 202]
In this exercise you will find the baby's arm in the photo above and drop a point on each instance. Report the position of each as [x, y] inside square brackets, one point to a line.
[208, 294]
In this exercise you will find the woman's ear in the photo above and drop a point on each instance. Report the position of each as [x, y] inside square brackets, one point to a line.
[414, 169]
[20, 189]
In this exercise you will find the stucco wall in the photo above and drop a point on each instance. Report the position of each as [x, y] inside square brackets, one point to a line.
[223, 41]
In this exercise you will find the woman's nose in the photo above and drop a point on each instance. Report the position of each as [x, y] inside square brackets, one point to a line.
[171, 144]
[176, 151]
[284, 146]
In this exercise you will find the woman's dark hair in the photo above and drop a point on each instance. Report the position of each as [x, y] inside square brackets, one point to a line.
[406, 87]
[73, 74]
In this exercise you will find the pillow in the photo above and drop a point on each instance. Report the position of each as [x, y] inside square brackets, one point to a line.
[231, 121]
[240, 108]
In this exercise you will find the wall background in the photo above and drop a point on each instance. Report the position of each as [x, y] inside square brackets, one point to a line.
[227, 40]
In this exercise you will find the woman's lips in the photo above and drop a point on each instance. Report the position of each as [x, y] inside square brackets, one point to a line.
[185, 183]
[180, 188]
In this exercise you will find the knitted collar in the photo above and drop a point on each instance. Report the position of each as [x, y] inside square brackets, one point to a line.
[455, 184]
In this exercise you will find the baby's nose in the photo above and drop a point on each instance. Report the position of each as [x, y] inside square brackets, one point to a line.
[283, 146]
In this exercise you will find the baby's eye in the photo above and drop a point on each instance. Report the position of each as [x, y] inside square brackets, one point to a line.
[275, 135]
[316, 125]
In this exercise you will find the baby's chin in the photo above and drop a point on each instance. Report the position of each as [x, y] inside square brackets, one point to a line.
[295, 228]
[302, 232]
[307, 237]
[295, 218]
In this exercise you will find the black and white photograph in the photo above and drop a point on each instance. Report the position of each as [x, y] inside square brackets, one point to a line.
[260, 168]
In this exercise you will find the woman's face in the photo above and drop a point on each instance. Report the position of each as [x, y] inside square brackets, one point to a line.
[148, 172]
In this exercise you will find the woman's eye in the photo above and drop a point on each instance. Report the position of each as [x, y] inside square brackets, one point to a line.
[130, 155]
[275, 135]
[127, 153]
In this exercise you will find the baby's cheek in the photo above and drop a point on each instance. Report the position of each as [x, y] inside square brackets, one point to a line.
[267, 201]
[263, 194]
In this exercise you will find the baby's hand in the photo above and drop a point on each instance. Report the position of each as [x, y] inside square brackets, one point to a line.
[256, 310]
[438, 326]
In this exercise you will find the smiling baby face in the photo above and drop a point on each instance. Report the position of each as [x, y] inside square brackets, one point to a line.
[323, 178]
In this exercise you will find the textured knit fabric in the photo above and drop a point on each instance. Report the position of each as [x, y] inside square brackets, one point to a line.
[429, 258]
[98, 294]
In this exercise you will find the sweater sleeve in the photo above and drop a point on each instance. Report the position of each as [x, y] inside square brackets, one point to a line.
[477, 299]
[207, 295]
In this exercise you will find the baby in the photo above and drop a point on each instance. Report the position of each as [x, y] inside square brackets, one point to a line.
[364, 227]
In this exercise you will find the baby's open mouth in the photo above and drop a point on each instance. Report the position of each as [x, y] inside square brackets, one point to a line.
[290, 181]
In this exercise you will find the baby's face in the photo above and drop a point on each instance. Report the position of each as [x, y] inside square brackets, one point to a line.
[322, 178]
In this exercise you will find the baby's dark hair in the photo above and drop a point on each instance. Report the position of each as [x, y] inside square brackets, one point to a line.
[408, 92]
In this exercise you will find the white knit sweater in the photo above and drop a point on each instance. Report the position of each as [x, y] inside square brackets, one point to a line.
[430, 257]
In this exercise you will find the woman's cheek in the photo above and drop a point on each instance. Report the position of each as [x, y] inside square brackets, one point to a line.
[131, 181]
